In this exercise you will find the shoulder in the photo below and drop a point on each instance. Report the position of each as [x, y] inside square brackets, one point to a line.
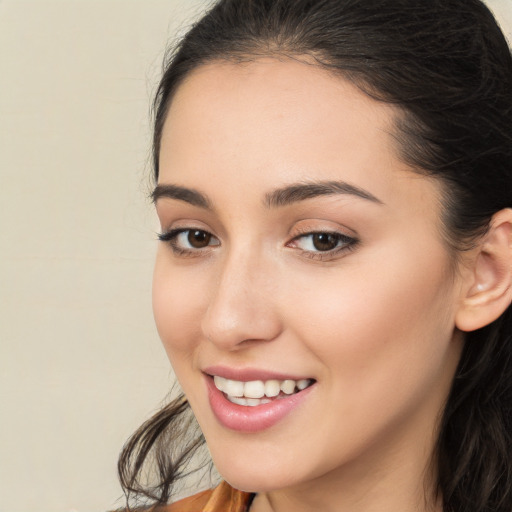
[195, 503]
[223, 498]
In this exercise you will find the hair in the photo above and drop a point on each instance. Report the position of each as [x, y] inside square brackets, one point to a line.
[447, 68]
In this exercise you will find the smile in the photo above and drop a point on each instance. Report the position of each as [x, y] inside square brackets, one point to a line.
[252, 404]
[258, 392]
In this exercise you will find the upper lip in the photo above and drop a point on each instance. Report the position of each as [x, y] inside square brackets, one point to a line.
[249, 374]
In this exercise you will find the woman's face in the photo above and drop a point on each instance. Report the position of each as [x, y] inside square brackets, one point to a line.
[298, 247]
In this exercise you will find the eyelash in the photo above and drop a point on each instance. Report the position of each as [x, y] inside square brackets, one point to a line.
[171, 237]
[348, 244]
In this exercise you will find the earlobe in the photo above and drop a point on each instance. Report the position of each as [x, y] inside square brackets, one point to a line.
[489, 285]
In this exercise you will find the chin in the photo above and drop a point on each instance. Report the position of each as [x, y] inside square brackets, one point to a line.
[258, 481]
[264, 470]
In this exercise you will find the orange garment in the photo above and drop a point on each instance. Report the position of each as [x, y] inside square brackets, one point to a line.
[221, 499]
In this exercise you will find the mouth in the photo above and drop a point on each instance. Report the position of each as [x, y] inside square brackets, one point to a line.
[253, 400]
[259, 392]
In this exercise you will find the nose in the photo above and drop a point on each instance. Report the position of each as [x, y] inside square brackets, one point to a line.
[242, 304]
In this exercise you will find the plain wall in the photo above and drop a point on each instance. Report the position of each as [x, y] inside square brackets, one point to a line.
[80, 362]
[81, 365]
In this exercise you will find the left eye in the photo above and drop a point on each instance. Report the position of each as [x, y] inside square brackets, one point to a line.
[322, 242]
[194, 239]
[188, 239]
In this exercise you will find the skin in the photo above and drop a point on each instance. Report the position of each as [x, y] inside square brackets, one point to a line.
[373, 324]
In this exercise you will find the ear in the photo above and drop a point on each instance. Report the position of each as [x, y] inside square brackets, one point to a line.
[487, 292]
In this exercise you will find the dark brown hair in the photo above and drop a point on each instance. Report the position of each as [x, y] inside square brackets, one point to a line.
[447, 67]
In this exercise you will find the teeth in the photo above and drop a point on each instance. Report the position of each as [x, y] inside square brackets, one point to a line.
[303, 384]
[288, 387]
[233, 387]
[256, 401]
[254, 389]
[230, 387]
[272, 388]
[219, 382]
[251, 402]
[252, 393]
[236, 400]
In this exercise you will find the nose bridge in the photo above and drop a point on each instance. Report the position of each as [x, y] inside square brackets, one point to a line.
[241, 305]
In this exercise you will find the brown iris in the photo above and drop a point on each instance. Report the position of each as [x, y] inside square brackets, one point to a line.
[198, 239]
[325, 241]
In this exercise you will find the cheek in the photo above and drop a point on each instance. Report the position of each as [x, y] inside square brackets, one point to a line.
[378, 325]
[177, 307]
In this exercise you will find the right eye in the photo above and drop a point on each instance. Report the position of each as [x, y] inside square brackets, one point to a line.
[188, 240]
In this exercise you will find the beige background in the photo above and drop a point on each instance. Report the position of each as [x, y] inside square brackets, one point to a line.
[80, 362]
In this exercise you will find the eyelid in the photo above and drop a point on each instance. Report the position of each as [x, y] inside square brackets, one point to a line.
[342, 236]
[345, 242]
[170, 238]
[349, 242]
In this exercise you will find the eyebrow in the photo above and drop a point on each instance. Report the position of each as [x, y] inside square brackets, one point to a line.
[302, 191]
[188, 195]
[280, 197]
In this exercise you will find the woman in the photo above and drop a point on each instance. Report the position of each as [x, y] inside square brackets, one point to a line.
[334, 278]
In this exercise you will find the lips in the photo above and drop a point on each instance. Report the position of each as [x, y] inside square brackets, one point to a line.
[241, 401]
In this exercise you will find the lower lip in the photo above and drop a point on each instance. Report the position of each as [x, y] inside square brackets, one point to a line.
[252, 419]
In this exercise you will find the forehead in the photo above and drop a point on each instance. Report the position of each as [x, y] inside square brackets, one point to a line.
[279, 92]
[268, 122]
